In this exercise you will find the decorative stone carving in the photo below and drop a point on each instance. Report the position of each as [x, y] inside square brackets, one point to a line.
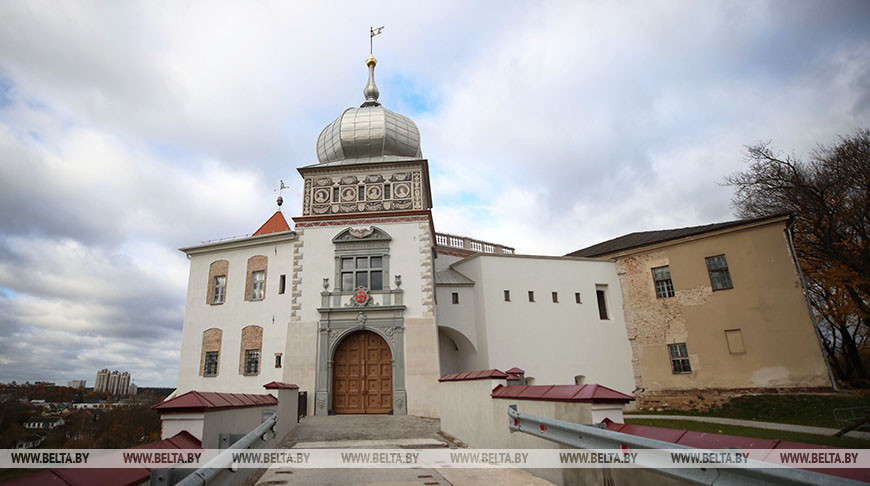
[347, 207]
[361, 232]
[336, 334]
[349, 180]
[361, 319]
[323, 181]
[418, 190]
[361, 298]
[321, 195]
[401, 191]
[398, 281]
[320, 209]
[390, 332]
[306, 202]
[403, 204]
[348, 193]
[374, 178]
[325, 283]
[374, 206]
[400, 176]
[373, 192]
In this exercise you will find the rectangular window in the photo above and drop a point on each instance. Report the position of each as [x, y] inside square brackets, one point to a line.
[531, 295]
[663, 284]
[258, 285]
[507, 295]
[282, 284]
[455, 297]
[334, 194]
[361, 192]
[277, 360]
[362, 272]
[720, 278]
[252, 361]
[577, 298]
[679, 358]
[734, 338]
[220, 289]
[556, 297]
[601, 295]
[211, 363]
[386, 191]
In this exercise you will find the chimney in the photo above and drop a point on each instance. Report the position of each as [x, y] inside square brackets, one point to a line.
[516, 377]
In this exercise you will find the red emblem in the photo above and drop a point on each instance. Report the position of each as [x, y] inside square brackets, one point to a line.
[361, 296]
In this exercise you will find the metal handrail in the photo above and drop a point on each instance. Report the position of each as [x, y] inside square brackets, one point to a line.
[592, 437]
[224, 460]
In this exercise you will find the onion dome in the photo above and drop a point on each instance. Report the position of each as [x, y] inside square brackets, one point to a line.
[370, 133]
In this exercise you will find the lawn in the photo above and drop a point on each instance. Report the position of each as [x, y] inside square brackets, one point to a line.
[817, 410]
[844, 442]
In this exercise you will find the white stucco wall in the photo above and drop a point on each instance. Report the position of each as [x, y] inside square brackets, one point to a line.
[552, 342]
[272, 314]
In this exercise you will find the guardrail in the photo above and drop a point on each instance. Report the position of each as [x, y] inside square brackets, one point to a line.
[220, 470]
[593, 437]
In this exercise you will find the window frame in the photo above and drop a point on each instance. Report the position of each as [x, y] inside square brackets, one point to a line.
[555, 296]
[507, 295]
[601, 298]
[680, 362]
[719, 271]
[219, 290]
[279, 360]
[455, 297]
[356, 271]
[531, 295]
[664, 286]
[206, 363]
[578, 299]
[258, 286]
[249, 354]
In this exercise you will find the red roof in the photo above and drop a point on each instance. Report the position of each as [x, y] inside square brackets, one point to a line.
[561, 393]
[277, 385]
[275, 224]
[475, 375]
[106, 476]
[201, 401]
[515, 370]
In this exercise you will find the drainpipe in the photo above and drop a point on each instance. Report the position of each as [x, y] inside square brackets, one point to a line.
[797, 263]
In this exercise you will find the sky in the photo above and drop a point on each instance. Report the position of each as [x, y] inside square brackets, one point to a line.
[129, 130]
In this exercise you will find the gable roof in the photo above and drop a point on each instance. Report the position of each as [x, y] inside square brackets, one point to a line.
[644, 238]
[275, 224]
[450, 276]
[562, 393]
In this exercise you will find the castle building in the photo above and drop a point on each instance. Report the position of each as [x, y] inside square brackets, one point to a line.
[365, 306]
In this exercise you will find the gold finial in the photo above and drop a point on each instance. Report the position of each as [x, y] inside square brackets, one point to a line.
[371, 61]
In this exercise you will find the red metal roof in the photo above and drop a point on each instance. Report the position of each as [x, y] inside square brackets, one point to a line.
[201, 401]
[475, 375]
[277, 385]
[275, 224]
[515, 370]
[561, 393]
[105, 476]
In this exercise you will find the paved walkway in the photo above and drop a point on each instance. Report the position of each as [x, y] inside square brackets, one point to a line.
[806, 429]
[382, 432]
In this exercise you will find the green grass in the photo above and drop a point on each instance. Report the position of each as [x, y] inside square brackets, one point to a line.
[844, 442]
[817, 410]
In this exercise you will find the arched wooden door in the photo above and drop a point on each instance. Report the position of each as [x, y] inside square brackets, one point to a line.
[362, 375]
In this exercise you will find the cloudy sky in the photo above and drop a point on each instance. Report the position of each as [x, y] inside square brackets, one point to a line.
[128, 130]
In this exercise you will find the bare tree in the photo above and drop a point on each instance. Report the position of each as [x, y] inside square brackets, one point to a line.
[830, 197]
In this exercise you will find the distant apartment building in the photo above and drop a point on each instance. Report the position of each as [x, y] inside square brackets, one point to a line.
[77, 384]
[114, 382]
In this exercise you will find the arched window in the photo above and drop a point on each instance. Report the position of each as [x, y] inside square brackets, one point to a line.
[251, 351]
[255, 283]
[217, 282]
[209, 362]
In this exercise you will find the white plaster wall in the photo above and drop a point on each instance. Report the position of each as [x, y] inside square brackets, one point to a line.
[232, 421]
[173, 423]
[272, 314]
[552, 342]
[457, 328]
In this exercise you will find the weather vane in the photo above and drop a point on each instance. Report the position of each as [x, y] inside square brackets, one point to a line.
[373, 32]
[280, 198]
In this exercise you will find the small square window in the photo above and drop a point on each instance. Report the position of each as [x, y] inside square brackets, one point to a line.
[252, 361]
[556, 297]
[219, 290]
[679, 358]
[577, 298]
[455, 297]
[277, 360]
[258, 285]
[507, 295]
[720, 277]
[211, 364]
[282, 283]
[663, 284]
[531, 295]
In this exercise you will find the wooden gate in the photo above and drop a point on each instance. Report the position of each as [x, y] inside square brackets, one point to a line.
[362, 379]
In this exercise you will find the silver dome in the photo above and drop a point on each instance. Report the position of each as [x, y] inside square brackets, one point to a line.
[370, 133]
